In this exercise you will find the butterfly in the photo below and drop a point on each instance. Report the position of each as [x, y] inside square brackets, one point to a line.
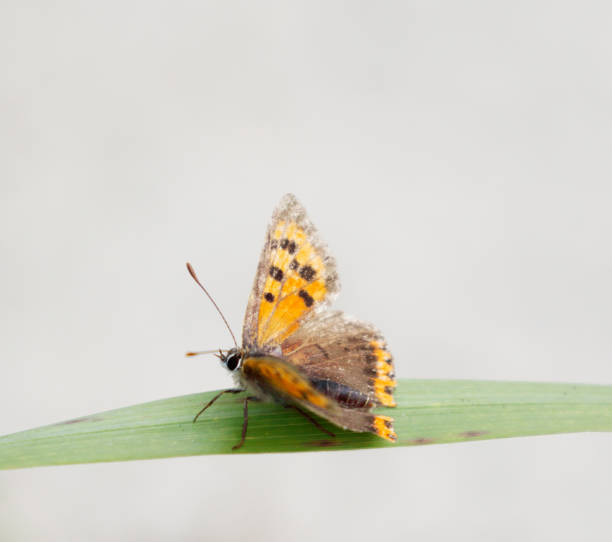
[298, 352]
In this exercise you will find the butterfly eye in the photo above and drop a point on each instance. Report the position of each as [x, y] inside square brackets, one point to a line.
[232, 362]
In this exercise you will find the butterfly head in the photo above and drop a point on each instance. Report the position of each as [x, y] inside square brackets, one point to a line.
[231, 359]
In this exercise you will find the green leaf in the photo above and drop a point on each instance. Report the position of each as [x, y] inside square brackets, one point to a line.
[428, 412]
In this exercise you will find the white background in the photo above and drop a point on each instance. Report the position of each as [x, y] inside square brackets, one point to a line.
[455, 156]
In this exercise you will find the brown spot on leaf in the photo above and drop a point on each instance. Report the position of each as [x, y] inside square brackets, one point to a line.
[420, 441]
[80, 420]
[324, 443]
[473, 434]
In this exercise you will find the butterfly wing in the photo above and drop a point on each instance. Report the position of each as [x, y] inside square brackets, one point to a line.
[296, 276]
[345, 358]
[269, 376]
[277, 378]
[349, 362]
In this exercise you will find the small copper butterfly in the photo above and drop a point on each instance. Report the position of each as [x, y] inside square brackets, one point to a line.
[298, 352]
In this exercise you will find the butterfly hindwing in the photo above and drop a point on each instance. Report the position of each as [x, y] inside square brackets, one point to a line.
[346, 358]
[362, 421]
[296, 276]
[273, 377]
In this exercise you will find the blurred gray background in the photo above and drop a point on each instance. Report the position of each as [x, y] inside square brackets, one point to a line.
[461, 149]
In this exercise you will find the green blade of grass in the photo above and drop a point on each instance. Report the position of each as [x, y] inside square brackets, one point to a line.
[428, 412]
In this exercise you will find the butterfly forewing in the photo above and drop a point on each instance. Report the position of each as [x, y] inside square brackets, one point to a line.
[277, 378]
[296, 276]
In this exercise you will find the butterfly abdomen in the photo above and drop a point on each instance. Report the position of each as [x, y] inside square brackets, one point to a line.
[346, 396]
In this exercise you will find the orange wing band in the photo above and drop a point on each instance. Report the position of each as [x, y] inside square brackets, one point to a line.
[383, 427]
[279, 378]
[384, 383]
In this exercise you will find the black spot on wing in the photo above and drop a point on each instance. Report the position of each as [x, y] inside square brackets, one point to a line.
[274, 244]
[276, 273]
[307, 273]
[269, 297]
[294, 265]
[308, 300]
[289, 246]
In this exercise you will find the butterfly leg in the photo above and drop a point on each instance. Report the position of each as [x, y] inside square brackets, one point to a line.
[311, 420]
[213, 400]
[245, 422]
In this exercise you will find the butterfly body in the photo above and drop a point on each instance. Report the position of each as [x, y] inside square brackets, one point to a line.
[298, 353]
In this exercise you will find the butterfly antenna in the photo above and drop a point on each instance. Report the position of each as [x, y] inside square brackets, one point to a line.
[204, 352]
[194, 277]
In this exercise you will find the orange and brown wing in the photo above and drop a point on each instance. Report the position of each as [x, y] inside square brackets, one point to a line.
[346, 358]
[273, 377]
[296, 276]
